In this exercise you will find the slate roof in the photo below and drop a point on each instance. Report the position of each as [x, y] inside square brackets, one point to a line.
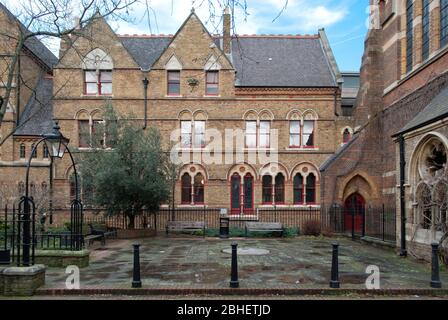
[436, 109]
[33, 44]
[145, 50]
[40, 108]
[260, 61]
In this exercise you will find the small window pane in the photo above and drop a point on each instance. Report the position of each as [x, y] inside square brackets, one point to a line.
[174, 76]
[251, 127]
[91, 88]
[308, 133]
[106, 88]
[294, 127]
[265, 126]
[91, 76]
[106, 76]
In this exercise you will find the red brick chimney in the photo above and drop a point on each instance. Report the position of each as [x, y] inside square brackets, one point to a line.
[227, 39]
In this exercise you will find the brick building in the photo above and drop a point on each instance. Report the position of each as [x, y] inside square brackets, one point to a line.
[266, 86]
[403, 77]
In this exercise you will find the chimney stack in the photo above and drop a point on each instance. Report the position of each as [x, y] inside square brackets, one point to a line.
[227, 39]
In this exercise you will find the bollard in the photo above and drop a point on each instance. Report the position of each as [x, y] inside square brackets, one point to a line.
[136, 282]
[334, 282]
[435, 276]
[234, 283]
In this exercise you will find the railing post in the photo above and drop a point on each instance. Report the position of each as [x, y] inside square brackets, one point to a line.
[384, 223]
[334, 282]
[234, 283]
[136, 281]
[435, 276]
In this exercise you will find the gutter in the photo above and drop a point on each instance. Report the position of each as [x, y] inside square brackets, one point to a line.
[403, 252]
[145, 92]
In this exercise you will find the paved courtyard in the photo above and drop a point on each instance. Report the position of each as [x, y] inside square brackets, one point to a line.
[291, 263]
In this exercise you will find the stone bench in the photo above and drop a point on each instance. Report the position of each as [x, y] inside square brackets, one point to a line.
[185, 226]
[264, 227]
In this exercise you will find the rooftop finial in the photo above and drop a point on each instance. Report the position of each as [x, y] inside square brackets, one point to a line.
[192, 9]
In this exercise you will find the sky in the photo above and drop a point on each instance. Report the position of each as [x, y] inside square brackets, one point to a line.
[344, 21]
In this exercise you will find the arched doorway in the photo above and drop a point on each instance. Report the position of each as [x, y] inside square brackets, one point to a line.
[235, 192]
[248, 194]
[355, 206]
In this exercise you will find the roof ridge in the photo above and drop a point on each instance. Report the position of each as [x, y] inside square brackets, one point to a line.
[217, 36]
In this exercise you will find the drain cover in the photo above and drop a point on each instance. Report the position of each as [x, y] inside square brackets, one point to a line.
[248, 251]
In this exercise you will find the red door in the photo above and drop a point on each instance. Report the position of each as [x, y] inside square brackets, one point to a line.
[248, 194]
[354, 206]
[235, 194]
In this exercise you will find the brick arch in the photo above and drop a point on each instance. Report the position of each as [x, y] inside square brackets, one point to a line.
[96, 114]
[280, 169]
[358, 182]
[200, 115]
[250, 114]
[266, 114]
[310, 114]
[193, 169]
[238, 168]
[311, 168]
[294, 114]
[185, 114]
[82, 114]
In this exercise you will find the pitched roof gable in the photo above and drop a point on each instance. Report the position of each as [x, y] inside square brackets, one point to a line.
[34, 45]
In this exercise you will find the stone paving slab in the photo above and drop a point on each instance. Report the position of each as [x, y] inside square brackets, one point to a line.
[304, 262]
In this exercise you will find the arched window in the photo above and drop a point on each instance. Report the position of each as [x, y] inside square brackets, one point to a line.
[186, 189]
[311, 189]
[97, 67]
[440, 201]
[425, 29]
[346, 136]
[34, 151]
[267, 189]
[32, 189]
[44, 187]
[21, 189]
[280, 189]
[199, 189]
[298, 189]
[22, 151]
[424, 200]
[45, 152]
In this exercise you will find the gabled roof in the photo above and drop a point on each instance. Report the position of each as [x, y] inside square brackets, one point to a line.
[145, 50]
[434, 111]
[33, 44]
[260, 61]
[40, 109]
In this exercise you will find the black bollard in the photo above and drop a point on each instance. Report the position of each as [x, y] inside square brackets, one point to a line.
[234, 283]
[136, 282]
[435, 276]
[334, 282]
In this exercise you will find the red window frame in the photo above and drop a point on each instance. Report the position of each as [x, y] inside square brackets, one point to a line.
[198, 186]
[311, 189]
[212, 84]
[99, 82]
[300, 188]
[198, 134]
[312, 134]
[186, 187]
[266, 189]
[265, 133]
[171, 81]
[279, 188]
[184, 133]
[297, 135]
[251, 134]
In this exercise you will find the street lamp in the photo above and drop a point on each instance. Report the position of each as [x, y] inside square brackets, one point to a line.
[57, 147]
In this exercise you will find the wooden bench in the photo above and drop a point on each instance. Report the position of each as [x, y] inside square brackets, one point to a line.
[185, 226]
[100, 232]
[264, 227]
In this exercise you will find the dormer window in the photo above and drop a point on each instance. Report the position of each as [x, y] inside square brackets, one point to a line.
[98, 82]
[212, 83]
[98, 67]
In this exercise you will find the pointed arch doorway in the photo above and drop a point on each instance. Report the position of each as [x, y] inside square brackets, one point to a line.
[354, 213]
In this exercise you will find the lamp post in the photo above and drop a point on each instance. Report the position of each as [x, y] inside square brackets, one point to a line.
[57, 146]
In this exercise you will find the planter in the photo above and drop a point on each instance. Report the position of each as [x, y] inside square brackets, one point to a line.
[22, 281]
[63, 258]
